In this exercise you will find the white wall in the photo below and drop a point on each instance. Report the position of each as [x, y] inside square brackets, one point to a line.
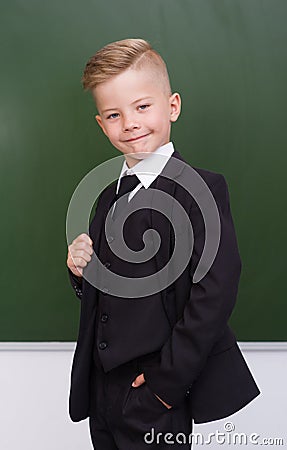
[34, 389]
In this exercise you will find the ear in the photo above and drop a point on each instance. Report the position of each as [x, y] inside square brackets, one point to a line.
[175, 106]
[100, 123]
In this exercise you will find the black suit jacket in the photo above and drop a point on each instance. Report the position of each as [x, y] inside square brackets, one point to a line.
[201, 356]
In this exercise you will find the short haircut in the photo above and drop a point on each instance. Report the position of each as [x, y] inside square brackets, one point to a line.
[119, 56]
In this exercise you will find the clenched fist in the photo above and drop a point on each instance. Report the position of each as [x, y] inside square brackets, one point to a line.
[79, 254]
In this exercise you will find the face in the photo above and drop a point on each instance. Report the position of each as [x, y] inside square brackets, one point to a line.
[135, 112]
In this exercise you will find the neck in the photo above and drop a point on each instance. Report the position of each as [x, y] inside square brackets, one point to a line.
[131, 162]
[137, 157]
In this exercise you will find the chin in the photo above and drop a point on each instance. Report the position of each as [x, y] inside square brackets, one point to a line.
[140, 155]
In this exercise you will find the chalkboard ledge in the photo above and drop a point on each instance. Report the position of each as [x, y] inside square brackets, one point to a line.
[70, 346]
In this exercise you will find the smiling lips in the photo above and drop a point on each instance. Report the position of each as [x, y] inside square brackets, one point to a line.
[137, 138]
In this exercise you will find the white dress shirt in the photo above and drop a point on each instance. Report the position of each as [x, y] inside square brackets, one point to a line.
[147, 169]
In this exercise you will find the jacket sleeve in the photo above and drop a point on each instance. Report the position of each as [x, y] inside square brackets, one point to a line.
[76, 283]
[207, 310]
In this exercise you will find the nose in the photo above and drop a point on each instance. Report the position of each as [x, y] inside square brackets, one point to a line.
[130, 123]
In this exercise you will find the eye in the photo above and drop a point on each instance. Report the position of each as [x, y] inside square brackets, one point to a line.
[113, 116]
[143, 107]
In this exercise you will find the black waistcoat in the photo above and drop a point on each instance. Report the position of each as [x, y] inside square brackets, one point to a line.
[129, 327]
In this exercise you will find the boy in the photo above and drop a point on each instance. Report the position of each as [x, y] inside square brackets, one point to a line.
[145, 367]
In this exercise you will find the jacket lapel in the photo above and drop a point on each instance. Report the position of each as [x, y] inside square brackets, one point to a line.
[99, 219]
[173, 170]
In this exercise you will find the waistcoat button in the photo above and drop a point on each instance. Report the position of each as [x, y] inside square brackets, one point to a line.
[103, 345]
[104, 317]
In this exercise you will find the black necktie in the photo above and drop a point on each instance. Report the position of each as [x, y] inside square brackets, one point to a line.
[127, 184]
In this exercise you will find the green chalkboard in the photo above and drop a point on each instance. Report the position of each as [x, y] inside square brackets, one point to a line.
[227, 58]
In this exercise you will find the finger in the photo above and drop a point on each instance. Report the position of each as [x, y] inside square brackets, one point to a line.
[79, 261]
[81, 254]
[84, 238]
[165, 404]
[139, 380]
[81, 245]
[76, 270]
[74, 264]
[79, 271]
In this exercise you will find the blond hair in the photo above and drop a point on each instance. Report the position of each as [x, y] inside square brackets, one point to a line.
[119, 56]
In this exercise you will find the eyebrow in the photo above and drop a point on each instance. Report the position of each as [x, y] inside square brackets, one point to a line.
[136, 101]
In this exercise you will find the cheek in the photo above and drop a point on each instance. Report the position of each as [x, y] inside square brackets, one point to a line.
[161, 125]
[154, 121]
[112, 132]
[159, 120]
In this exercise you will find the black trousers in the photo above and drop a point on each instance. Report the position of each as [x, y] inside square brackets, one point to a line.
[128, 418]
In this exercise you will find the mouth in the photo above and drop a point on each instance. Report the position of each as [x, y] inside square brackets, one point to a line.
[137, 138]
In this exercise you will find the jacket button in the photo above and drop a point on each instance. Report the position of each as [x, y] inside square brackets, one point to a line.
[107, 264]
[105, 291]
[110, 239]
[104, 317]
[103, 345]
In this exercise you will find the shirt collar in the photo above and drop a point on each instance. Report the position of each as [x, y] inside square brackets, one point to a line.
[148, 169]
